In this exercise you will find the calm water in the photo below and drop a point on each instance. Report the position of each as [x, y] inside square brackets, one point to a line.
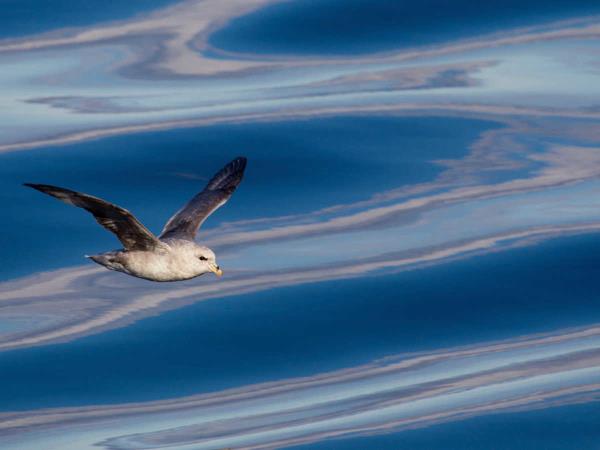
[326, 165]
[356, 26]
[225, 343]
[551, 429]
[410, 262]
[24, 17]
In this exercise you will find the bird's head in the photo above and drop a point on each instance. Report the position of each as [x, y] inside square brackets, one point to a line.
[206, 258]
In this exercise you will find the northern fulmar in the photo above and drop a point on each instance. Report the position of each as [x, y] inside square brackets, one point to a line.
[173, 255]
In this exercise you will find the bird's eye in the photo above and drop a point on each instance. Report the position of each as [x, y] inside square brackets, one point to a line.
[203, 258]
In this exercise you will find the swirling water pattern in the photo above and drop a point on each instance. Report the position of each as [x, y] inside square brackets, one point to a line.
[411, 261]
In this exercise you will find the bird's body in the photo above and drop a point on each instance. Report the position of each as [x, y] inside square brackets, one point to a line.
[177, 260]
[173, 255]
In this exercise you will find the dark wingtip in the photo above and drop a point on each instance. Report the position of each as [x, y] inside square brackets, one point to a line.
[54, 191]
[34, 186]
[38, 187]
[241, 161]
[239, 164]
[229, 176]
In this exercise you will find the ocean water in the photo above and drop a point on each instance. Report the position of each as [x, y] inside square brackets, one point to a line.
[342, 27]
[20, 18]
[237, 340]
[411, 261]
[552, 429]
[326, 166]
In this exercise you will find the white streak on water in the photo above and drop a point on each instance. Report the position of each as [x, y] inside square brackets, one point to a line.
[391, 394]
[109, 79]
[67, 304]
[153, 72]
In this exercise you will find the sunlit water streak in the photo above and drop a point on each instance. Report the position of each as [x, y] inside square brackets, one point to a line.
[391, 394]
[90, 71]
[372, 162]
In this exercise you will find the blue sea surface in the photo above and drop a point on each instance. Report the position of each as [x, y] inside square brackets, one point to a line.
[574, 426]
[343, 27]
[23, 17]
[412, 259]
[321, 163]
[304, 330]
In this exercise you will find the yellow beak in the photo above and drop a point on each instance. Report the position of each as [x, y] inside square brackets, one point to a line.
[215, 269]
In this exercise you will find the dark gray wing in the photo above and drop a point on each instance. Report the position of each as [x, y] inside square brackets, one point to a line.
[185, 223]
[132, 234]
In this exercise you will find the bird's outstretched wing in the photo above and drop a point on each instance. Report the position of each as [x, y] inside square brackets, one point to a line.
[132, 234]
[185, 223]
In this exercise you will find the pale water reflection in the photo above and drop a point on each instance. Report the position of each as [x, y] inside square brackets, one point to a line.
[415, 245]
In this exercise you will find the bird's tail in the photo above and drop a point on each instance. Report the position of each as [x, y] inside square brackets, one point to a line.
[108, 260]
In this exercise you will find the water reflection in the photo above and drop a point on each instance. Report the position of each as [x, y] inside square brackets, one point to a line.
[154, 72]
[363, 167]
[386, 395]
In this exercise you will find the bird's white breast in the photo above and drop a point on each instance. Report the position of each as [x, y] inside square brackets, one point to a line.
[172, 264]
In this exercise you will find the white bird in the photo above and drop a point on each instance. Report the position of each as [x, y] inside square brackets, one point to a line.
[173, 255]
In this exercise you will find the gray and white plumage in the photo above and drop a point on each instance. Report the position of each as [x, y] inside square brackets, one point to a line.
[173, 255]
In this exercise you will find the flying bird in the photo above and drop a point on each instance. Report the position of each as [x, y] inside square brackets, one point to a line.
[173, 255]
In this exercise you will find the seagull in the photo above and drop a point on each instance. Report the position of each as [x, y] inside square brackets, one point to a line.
[173, 255]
